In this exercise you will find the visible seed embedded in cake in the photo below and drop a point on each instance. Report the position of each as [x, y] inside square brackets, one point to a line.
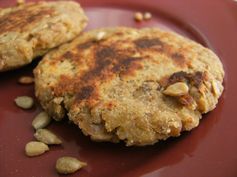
[47, 137]
[24, 102]
[58, 100]
[138, 16]
[26, 80]
[35, 148]
[100, 35]
[203, 104]
[20, 2]
[67, 165]
[217, 88]
[147, 16]
[177, 89]
[41, 120]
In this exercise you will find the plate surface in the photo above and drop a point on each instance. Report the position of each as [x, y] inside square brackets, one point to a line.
[209, 150]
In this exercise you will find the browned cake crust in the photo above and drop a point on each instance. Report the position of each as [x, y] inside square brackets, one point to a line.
[139, 86]
[30, 30]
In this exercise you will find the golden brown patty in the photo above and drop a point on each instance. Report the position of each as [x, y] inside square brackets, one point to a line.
[139, 86]
[30, 30]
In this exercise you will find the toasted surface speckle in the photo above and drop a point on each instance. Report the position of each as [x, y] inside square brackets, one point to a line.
[113, 88]
[32, 29]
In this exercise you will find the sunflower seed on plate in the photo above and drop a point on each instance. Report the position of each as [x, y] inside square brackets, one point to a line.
[35, 148]
[147, 16]
[41, 120]
[47, 137]
[138, 16]
[24, 102]
[26, 80]
[67, 165]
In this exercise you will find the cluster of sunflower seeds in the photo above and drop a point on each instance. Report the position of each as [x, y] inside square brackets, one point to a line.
[25, 102]
[138, 16]
[44, 137]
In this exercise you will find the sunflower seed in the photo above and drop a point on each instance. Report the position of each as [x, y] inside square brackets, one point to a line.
[24, 102]
[20, 2]
[100, 35]
[138, 16]
[147, 16]
[177, 89]
[217, 88]
[47, 137]
[67, 165]
[35, 148]
[26, 80]
[41, 120]
[203, 104]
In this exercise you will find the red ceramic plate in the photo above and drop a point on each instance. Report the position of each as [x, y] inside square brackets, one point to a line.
[208, 151]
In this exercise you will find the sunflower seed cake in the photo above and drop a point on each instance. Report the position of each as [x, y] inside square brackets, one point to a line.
[32, 29]
[133, 85]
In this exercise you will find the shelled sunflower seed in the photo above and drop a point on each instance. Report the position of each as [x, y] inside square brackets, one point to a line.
[67, 165]
[25, 80]
[35, 148]
[47, 137]
[41, 120]
[24, 102]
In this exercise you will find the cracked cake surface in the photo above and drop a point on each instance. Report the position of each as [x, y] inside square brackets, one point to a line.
[133, 85]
